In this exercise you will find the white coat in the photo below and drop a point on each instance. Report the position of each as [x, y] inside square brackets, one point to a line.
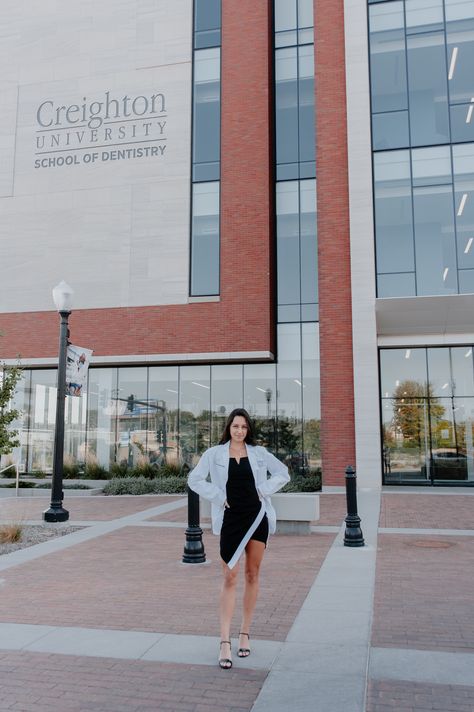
[215, 463]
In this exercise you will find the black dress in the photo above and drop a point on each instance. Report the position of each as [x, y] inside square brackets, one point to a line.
[244, 509]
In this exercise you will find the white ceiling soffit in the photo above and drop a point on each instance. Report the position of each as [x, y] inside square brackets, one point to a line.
[451, 314]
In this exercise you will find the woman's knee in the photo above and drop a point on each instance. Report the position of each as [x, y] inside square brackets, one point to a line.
[230, 578]
[251, 574]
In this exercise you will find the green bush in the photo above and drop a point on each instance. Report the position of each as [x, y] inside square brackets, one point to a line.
[304, 483]
[172, 470]
[79, 486]
[94, 471]
[21, 483]
[119, 469]
[144, 469]
[39, 474]
[143, 485]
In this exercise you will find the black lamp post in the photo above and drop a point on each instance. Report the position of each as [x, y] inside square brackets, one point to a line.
[62, 295]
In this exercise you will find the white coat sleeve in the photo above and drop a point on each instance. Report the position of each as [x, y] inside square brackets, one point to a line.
[198, 483]
[278, 476]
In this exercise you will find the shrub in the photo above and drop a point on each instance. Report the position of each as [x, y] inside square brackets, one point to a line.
[10, 533]
[71, 467]
[144, 469]
[172, 469]
[304, 483]
[93, 469]
[38, 474]
[21, 483]
[143, 485]
[119, 469]
[79, 486]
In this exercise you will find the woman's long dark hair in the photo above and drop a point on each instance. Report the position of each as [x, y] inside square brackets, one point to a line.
[249, 438]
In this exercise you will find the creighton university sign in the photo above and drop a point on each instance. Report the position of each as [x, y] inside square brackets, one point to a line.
[100, 129]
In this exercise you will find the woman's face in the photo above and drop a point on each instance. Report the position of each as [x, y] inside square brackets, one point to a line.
[238, 429]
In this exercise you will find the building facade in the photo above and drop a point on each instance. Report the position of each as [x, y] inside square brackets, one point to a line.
[259, 204]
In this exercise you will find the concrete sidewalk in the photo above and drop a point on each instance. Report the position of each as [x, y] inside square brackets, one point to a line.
[108, 619]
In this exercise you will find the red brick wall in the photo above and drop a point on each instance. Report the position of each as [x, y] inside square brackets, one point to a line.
[243, 320]
[337, 387]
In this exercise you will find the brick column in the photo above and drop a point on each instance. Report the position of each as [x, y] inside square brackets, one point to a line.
[335, 308]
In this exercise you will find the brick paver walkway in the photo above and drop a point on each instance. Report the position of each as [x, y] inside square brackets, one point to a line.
[87, 508]
[394, 696]
[332, 509]
[427, 511]
[32, 682]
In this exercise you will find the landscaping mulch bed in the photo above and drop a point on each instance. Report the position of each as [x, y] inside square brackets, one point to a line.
[36, 534]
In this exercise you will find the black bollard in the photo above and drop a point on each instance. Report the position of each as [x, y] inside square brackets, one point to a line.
[193, 548]
[353, 534]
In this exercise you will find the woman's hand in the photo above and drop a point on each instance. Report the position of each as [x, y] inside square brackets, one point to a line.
[226, 505]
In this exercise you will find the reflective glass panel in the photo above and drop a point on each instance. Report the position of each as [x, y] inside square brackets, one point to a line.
[390, 130]
[226, 394]
[439, 373]
[205, 239]
[288, 237]
[20, 402]
[463, 163]
[308, 241]
[393, 212]
[387, 57]
[206, 109]
[194, 413]
[132, 421]
[260, 399]
[42, 420]
[463, 417]
[207, 14]
[289, 400]
[427, 88]
[305, 13]
[463, 373]
[311, 394]
[162, 440]
[460, 49]
[396, 285]
[286, 105]
[285, 15]
[103, 411]
[403, 373]
[307, 138]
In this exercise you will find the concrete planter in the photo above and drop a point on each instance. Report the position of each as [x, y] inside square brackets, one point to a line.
[295, 511]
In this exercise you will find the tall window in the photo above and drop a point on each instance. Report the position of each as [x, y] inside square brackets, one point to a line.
[422, 94]
[206, 149]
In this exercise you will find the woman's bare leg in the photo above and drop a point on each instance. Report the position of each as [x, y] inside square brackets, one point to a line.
[253, 558]
[227, 605]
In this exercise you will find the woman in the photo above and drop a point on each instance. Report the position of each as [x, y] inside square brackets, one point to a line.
[242, 514]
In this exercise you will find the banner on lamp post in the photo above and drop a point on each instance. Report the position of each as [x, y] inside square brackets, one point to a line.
[77, 364]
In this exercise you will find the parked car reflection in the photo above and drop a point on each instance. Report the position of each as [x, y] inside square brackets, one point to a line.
[446, 465]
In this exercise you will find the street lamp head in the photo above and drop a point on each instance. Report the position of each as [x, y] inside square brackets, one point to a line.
[62, 296]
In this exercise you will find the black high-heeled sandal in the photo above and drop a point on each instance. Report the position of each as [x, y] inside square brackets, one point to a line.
[244, 652]
[225, 663]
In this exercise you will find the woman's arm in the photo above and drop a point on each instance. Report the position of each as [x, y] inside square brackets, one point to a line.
[198, 483]
[278, 475]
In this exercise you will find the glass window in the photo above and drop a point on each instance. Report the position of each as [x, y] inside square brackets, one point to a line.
[285, 15]
[463, 373]
[466, 281]
[399, 367]
[289, 402]
[162, 439]
[460, 49]
[311, 394]
[396, 285]
[286, 105]
[305, 13]
[462, 122]
[307, 138]
[206, 114]
[42, 420]
[207, 15]
[132, 421]
[288, 251]
[436, 271]
[194, 412]
[103, 411]
[309, 249]
[393, 213]
[390, 130]
[463, 164]
[205, 239]
[431, 166]
[427, 88]
[387, 58]
[226, 394]
[423, 15]
[439, 372]
[21, 403]
[260, 400]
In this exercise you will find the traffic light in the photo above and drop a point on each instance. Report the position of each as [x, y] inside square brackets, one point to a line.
[131, 403]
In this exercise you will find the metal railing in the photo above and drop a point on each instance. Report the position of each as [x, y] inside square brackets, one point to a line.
[17, 470]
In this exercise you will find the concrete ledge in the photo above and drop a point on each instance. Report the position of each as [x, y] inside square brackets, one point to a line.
[40, 492]
[295, 511]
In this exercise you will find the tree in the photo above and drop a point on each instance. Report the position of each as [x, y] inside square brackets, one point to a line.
[9, 377]
[410, 400]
